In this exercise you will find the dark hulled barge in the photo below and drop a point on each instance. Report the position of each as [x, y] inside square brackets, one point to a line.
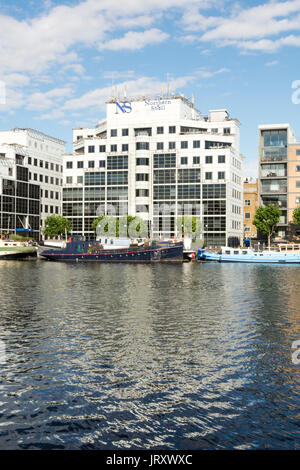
[77, 250]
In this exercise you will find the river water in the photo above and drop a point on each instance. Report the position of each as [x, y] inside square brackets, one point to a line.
[162, 356]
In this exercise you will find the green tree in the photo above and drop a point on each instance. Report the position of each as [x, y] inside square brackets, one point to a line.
[189, 225]
[56, 225]
[296, 216]
[265, 220]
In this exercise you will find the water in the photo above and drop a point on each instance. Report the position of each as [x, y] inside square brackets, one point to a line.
[163, 356]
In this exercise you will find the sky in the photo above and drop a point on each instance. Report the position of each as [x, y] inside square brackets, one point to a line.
[61, 60]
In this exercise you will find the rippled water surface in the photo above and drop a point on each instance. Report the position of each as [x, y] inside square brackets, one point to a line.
[163, 356]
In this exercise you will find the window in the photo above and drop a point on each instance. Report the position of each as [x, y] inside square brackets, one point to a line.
[56, 195]
[142, 192]
[69, 180]
[52, 166]
[57, 181]
[184, 160]
[196, 144]
[124, 147]
[196, 160]
[159, 146]
[41, 164]
[47, 166]
[160, 130]
[142, 177]
[46, 179]
[102, 148]
[247, 202]
[142, 161]
[297, 200]
[113, 148]
[91, 148]
[80, 164]
[297, 184]
[102, 163]
[51, 194]
[35, 162]
[208, 159]
[113, 133]
[124, 132]
[172, 129]
[298, 152]
[56, 167]
[221, 158]
[247, 228]
[171, 145]
[29, 160]
[142, 146]
[91, 164]
[41, 178]
[247, 215]
[226, 130]
[221, 175]
[46, 193]
[214, 131]
[297, 167]
[79, 179]
[208, 175]
[184, 144]
[69, 165]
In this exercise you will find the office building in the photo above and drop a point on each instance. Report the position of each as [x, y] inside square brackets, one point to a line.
[158, 159]
[250, 206]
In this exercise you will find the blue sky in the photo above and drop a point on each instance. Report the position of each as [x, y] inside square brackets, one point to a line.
[60, 59]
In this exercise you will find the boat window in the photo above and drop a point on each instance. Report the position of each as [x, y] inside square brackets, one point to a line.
[261, 254]
[227, 252]
[105, 240]
[245, 252]
[111, 242]
[236, 252]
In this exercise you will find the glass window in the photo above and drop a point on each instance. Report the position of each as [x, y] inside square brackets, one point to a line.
[142, 146]
[91, 148]
[113, 133]
[102, 148]
[79, 179]
[113, 148]
[196, 160]
[102, 163]
[124, 147]
[184, 144]
[297, 167]
[172, 129]
[247, 202]
[208, 175]
[172, 145]
[91, 164]
[160, 130]
[208, 159]
[80, 164]
[247, 215]
[159, 146]
[221, 175]
[184, 160]
[124, 132]
[69, 165]
[221, 158]
[196, 144]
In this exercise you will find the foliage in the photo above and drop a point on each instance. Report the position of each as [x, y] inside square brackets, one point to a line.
[266, 218]
[19, 238]
[296, 216]
[56, 225]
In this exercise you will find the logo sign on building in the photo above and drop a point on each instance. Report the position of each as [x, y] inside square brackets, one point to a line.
[124, 107]
[157, 105]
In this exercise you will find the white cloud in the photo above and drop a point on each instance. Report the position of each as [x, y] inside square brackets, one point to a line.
[272, 63]
[134, 40]
[40, 101]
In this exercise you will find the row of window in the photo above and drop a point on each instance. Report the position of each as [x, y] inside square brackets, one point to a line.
[159, 146]
[44, 164]
[45, 179]
[51, 209]
[161, 130]
[49, 194]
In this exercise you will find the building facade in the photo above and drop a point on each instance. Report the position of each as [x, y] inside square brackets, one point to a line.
[250, 206]
[158, 159]
[279, 173]
[43, 156]
[19, 198]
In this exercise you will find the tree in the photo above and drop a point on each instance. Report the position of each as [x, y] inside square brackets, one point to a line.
[296, 216]
[190, 225]
[265, 220]
[56, 225]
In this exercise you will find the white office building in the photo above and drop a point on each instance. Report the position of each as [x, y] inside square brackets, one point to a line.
[158, 159]
[42, 155]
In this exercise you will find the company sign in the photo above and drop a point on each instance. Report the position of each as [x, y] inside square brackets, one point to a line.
[157, 105]
[124, 107]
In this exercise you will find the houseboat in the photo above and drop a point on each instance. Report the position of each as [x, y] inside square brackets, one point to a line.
[112, 249]
[285, 254]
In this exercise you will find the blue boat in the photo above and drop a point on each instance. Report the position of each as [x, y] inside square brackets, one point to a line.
[77, 249]
[285, 254]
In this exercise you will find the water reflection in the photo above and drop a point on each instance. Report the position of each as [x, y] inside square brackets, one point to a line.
[166, 356]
